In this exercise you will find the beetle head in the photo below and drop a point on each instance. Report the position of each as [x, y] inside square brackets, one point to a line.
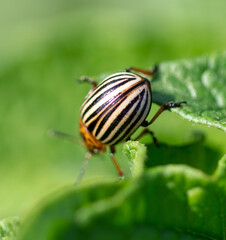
[90, 142]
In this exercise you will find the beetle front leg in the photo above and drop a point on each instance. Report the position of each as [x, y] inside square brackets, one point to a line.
[165, 106]
[83, 168]
[89, 80]
[119, 170]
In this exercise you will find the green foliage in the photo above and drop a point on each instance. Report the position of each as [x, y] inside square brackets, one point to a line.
[201, 82]
[173, 199]
[178, 189]
[166, 202]
[136, 153]
[9, 228]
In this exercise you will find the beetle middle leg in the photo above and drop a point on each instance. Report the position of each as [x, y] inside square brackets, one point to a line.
[146, 72]
[165, 106]
[119, 170]
[147, 131]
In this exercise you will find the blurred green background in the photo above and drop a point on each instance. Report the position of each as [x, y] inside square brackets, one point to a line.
[45, 45]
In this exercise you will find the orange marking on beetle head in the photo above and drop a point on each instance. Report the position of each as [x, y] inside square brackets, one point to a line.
[91, 143]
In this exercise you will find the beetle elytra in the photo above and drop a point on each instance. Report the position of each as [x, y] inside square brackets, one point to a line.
[115, 108]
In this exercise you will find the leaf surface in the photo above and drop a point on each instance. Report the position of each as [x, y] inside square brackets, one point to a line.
[9, 228]
[201, 82]
[174, 201]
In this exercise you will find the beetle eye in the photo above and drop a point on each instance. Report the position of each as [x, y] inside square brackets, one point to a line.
[95, 150]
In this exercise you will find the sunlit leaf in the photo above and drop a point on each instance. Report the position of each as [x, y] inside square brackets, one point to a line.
[165, 202]
[9, 228]
[201, 82]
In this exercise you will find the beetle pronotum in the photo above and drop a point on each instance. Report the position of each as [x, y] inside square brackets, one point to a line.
[115, 108]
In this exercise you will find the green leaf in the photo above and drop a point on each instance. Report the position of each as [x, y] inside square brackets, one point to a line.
[38, 91]
[9, 228]
[201, 82]
[174, 201]
[136, 153]
[195, 154]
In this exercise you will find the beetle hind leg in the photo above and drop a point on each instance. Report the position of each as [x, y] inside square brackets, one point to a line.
[146, 72]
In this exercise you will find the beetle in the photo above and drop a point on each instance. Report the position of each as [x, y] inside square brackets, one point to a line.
[114, 109]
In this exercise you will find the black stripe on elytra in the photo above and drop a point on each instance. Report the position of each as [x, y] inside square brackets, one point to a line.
[107, 116]
[115, 122]
[110, 83]
[112, 104]
[134, 123]
[126, 123]
[121, 115]
[126, 75]
[102, 96]
[117, 99]
[120, 97]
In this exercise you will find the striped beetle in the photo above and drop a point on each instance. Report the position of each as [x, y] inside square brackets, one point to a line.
[115, 108]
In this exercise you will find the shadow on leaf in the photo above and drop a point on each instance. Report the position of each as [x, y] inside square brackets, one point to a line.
[160, 98]
[194, 154]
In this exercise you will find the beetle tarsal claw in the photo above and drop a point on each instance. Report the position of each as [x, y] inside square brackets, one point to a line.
[121, 177]
[175, 104]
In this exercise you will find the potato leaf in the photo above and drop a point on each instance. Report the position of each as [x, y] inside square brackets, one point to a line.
[201, 82]
[174, 201]
[9, 228]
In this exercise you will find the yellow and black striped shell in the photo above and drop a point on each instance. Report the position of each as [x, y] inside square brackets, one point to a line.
[116, 107]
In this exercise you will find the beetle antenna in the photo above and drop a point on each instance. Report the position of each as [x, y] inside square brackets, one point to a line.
[63, 136]
[83, 168]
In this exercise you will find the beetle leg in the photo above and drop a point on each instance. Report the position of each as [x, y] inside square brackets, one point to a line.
[120, 172]
[89, 80]
[165, 106]
[146, 72]
[147, 131]
[63, 136]
[83, 168]
[128, 139]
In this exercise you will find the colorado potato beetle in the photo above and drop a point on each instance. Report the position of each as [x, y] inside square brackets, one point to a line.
[115, 108]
